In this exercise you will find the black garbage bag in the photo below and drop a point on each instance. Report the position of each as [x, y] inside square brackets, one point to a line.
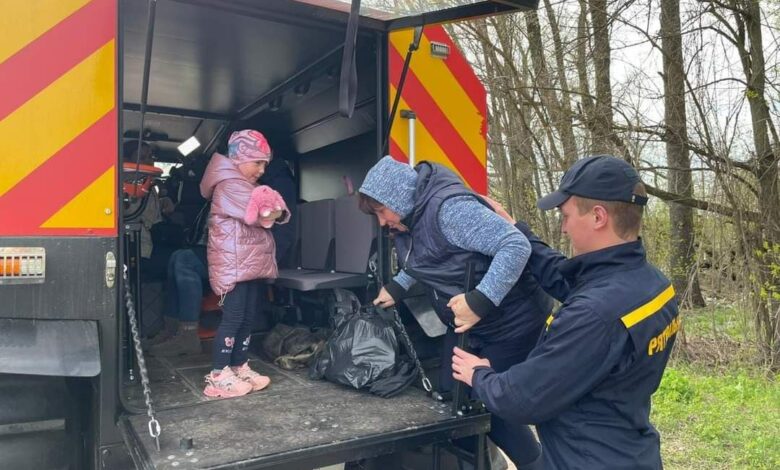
[391, 386]
[362, 352]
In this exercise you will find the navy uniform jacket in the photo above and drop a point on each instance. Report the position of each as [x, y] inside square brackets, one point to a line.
[587, 383]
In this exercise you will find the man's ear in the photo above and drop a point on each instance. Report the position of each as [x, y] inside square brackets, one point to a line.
[601, 216]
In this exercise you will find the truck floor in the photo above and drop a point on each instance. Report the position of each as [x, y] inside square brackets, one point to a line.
[295, 423]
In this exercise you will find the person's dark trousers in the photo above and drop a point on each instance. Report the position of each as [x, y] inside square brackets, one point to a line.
[516, 440]
[231, 343]
[187, 275]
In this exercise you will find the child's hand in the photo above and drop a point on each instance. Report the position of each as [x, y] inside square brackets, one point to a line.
[267, 219]
[266, 205]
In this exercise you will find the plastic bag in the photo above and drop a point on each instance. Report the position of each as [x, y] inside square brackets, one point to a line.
[363, 350]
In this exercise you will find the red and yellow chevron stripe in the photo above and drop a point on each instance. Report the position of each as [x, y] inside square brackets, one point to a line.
[450, 103]
[58, 121]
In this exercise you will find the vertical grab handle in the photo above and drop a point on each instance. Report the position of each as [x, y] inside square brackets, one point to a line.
[460, 399]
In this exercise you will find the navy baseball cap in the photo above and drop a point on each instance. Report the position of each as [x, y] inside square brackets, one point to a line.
[603, 177]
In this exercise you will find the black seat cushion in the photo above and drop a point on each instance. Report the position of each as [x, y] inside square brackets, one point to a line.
[313, 280]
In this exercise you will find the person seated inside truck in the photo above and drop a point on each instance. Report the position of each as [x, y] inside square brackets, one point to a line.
[188, 276]
[441, 227]
[147, 212]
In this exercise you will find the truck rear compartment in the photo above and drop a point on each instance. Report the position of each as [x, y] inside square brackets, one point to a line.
[295, 423]
[223, 66]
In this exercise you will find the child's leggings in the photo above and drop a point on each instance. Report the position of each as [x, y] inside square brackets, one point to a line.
[231, 344]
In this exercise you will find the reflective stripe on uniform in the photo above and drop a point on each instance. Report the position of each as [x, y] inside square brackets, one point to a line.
[649, 308]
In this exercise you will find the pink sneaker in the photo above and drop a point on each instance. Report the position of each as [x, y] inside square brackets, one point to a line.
[225, 384]
[257, 381]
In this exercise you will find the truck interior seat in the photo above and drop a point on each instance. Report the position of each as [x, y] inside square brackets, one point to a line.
[340, 225]
[315, 238]
[293, 258]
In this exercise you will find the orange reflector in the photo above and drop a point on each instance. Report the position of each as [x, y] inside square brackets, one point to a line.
[22, 265]
[10, 267]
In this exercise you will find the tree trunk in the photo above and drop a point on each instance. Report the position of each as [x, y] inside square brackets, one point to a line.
[768, 323]
[559, 108]
[586, 99]
[683, 267]
[745, 33]
[601, 122]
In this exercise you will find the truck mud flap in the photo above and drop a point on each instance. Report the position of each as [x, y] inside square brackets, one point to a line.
[65, 348]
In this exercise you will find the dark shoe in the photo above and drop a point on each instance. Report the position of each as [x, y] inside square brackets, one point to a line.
[185, 342]
[168, 332]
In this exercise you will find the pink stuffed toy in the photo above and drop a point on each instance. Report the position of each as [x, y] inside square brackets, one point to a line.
[262, 203]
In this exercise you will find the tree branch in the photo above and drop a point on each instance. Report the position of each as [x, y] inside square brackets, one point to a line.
[699, 204]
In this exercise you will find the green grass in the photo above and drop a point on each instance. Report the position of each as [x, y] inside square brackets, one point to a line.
[718, 419]
[717, 320]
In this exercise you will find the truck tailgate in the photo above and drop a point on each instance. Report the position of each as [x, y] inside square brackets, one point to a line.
[295, 423]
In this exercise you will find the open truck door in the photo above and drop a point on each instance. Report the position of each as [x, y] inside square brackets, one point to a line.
[80, 78]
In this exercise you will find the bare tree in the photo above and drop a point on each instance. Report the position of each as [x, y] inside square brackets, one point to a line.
[601, 121]
[709, 152]
[544, 82]
[740, 24]
[681, 254]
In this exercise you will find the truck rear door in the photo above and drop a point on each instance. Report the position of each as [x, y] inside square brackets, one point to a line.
[442, 114]
[400, 15]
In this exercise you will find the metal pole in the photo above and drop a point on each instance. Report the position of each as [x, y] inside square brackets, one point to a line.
[412, 118]
[145, 84]
[461, 403]
[479, 455]
[412, 47]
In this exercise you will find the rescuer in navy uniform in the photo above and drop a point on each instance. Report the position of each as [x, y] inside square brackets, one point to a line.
[587, 383]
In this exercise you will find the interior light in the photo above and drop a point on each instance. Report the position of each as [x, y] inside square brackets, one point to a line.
[188, 146]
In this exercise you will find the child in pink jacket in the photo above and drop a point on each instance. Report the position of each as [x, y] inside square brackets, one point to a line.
[238, 253]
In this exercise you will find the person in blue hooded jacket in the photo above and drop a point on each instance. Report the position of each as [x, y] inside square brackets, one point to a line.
[440, 227]
[588, 382]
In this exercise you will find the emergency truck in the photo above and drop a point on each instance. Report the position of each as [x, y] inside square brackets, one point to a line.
[78, 79]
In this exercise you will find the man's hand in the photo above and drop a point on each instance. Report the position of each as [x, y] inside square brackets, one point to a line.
[465, 318]
[384, 299]
[500, 210]
[463, 365]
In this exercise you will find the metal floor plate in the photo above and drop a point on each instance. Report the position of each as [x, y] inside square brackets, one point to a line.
[292, 424]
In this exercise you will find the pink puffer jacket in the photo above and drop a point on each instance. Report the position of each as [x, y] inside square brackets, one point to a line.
[236, 252]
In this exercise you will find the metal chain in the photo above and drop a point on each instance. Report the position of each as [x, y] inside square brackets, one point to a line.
[153, 425]
[426, 382]
[400, 325]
